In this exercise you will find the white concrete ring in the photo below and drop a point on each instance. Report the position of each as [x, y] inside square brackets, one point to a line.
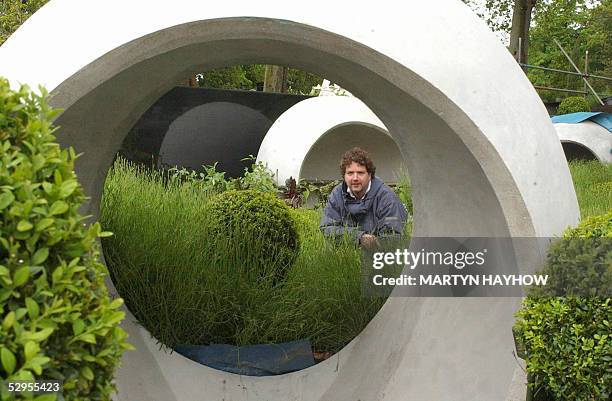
[308, 139]
[482, 153]
[592, 136]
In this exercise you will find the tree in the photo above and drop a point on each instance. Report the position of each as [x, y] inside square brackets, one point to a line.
[578, 25]
[13, 13]
[290, 80]
[519, 30]
[232, 77]
[275, 79]
[252, 77]
[301, 82]
[596, 37]
[508, 16]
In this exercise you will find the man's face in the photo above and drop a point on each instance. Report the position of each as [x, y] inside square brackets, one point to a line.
[357, 179]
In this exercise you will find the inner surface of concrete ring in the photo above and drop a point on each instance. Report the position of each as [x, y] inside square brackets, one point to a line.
[429, 74]
[308, 139]
[592, 136]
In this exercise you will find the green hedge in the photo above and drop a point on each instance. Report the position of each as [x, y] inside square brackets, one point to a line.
[58, 321]
[569, 347]
[580, 263]
[567, 340]
[573, 104]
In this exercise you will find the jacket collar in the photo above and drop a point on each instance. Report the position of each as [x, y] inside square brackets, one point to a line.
[373, 187]
[352, 195]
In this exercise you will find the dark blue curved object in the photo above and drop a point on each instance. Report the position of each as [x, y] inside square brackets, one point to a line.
[252, 360]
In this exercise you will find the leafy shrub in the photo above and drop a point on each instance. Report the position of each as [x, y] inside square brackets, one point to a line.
[594, 226]
[573, 104]
[319, 191]
[259, 177]
[580, 264]
[260, 219]
[569, 348]
[59, 322]
[567, 339]
[209, 180]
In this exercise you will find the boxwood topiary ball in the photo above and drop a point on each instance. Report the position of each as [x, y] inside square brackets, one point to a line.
[258, 224]
[573, 104]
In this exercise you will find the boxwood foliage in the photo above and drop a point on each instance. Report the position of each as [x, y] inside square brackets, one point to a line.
[568, 340]
[573, 104]
[580, 263]
[257, 223]
[58, 320]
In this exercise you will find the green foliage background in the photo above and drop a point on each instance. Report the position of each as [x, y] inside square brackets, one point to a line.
[578, 28]
[579, 25]
[251, 77]
[13, 13]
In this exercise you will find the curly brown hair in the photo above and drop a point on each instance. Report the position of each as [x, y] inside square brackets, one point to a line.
[359, 156]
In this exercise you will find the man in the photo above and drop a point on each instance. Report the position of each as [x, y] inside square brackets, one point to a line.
[362, 207]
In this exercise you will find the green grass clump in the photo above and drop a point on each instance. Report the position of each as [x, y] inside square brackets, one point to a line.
[593, 184]
[186, 288]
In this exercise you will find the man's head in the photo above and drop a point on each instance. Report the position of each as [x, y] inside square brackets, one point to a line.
[357, 170]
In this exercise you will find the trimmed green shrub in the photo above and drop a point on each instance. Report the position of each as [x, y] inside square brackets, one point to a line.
[258, 222]
[567, 339]
[58, 320]
[573, 104]
[569, 347]
[580, 263]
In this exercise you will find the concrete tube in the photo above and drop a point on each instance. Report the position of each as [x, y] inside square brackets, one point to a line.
[592, 136]
[429, 74]
[308, 139]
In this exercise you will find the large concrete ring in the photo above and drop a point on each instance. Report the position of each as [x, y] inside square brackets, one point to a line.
[439, 80]
[592, 136]
[308, 139]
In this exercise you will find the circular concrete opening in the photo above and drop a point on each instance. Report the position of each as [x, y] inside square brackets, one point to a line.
[585, 141]
[321, 162]
[428, 74]
[577, 151]
[200, 137]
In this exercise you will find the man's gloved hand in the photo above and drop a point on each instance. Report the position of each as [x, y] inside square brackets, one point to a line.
[369, 241]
